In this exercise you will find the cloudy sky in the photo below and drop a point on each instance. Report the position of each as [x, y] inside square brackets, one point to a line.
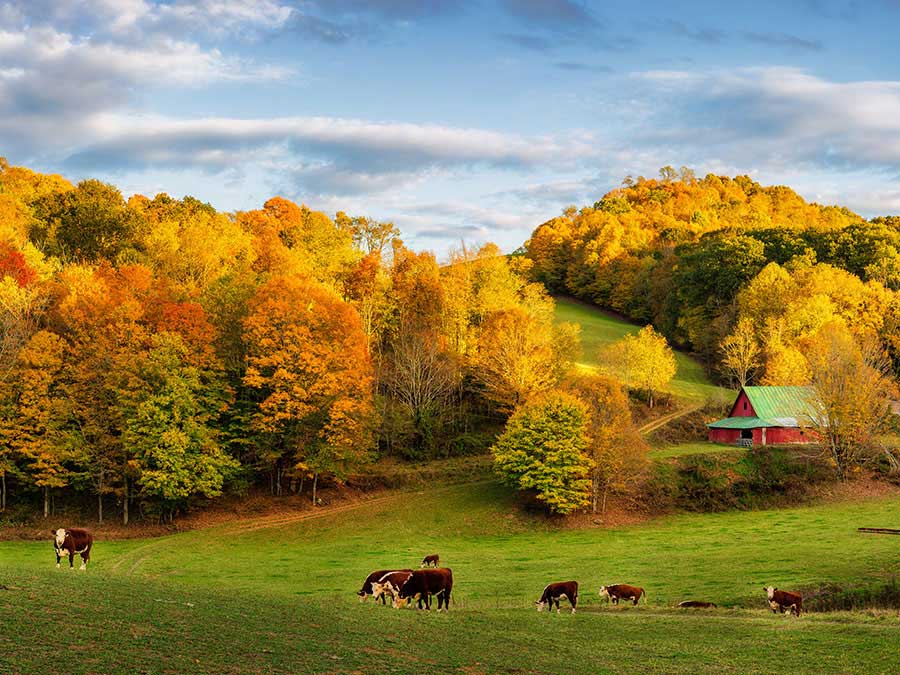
[457, 119]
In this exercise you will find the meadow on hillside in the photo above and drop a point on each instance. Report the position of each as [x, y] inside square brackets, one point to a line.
[245, 598]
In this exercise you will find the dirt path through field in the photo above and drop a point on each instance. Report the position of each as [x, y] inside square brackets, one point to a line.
[650, 427]
[274, 521]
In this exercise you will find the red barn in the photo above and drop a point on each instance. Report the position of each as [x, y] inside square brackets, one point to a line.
[767, 416]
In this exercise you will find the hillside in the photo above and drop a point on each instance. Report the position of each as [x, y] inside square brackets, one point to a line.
[245, 597]
[599, 328]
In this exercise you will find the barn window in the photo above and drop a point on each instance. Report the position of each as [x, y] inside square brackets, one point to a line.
[745, 405]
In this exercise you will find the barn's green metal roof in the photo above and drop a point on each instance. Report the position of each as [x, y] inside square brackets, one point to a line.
[781, 402]
[741, 423]
[774, 407]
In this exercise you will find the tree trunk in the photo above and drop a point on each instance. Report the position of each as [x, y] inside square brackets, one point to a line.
[302, 479]
[3, 491]
[125, 505]
[315, 484]
[603, 510]
[46, 501]
[100, 500]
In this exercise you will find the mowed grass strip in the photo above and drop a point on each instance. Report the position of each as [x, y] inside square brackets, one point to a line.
[283, 599]
[599, 329]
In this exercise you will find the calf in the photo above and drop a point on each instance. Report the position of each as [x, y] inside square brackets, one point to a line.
[422, 584]
[553, 592]
[389, 584]
[698, 604]
[431, 561]
[781, 600]
[72, 541]
[618, 591]
[374, 577]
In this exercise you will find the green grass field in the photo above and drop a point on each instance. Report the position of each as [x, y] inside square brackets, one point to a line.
[599, 329]
[695, 448]
[237, 599]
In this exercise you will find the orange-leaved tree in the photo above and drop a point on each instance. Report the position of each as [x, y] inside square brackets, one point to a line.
[308, 362]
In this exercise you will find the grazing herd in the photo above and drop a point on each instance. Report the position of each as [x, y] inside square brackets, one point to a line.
[404, 586]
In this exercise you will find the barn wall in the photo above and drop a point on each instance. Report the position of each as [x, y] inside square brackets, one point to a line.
[779, 435]
[742, 407]
[773, 436]
[728, 436]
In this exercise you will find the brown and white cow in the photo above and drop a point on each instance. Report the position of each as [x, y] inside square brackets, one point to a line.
[390, 583]
[781, 600]
[553, 592]
[615, 592]
[697, 604]
[373, 578]
[431, 561]
[422, 584]
[71, 541]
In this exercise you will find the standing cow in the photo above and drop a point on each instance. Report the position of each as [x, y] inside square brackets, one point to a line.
[367, 587]
[70, 542]
[431, 561]
[619, 591]
[390, 583]
[553, 592]
[424, 583]
[781, 600]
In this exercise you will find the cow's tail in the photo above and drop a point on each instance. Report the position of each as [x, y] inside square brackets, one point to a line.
[644, 595]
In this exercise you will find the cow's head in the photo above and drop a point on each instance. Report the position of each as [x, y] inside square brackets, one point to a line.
[770, 591]
[604, 592]
[362, 595]
[540, 605]
[59, 537]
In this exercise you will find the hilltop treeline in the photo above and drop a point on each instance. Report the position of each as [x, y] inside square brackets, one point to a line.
[744, 275]
[155, 351]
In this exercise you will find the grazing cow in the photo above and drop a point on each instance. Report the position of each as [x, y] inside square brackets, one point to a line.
[422, 584]
[698, 604]
[553, 592]
[389, 584]
[70, 542]
[618, 591]
[431, 561]
[366, 589]
[781, 600]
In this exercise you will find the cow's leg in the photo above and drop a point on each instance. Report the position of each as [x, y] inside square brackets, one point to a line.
[72, 559]
[85, 556]
[636, 599]
[574, 602]
[58, 558]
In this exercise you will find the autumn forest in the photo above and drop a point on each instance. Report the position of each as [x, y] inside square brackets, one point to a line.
[156, 353]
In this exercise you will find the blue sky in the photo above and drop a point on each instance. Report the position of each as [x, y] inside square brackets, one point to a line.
[475, 119]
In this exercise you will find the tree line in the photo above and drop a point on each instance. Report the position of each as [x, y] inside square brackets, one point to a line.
[155, 352]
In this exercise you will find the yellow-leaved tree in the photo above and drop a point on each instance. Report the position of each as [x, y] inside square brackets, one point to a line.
[643, 361]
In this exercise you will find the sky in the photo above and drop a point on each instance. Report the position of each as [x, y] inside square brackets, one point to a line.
[468, 120]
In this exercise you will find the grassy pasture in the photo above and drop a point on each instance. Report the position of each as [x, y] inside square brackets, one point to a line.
[599, 329]
[694, 448]
[281, 598]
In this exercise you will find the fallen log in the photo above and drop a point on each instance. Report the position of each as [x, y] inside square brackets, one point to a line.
[877, 530]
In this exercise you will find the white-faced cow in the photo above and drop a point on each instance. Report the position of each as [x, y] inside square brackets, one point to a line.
[615, 592]
[553, 592]
[373, 578]
[431, 561]
[781, 600]
[390, 583]
[422, 584]
[72, 541]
